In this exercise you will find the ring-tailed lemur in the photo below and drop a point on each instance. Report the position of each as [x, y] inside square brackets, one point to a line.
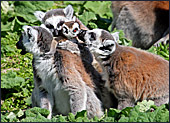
[144, 22]
[79, 49]
[69, 33]
[54, 18]
[132, 75]
[63, 84]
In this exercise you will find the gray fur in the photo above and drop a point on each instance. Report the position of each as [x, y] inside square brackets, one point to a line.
[131, 74]
[53, 19]
[141, 23]
[108, 100]
[60, 86]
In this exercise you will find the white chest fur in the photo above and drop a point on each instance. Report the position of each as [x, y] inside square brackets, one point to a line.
[50, 82]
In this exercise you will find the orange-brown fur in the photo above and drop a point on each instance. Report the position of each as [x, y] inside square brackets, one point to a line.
[138, 75]
[71, 61]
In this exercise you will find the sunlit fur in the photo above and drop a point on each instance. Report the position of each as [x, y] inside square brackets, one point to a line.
[132, 75]
[61, 82]
[70, 30]
[53, 18]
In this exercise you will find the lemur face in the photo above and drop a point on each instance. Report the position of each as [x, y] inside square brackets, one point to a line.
[99, 41]
[55, 18]
[70, 29]
[35, 40]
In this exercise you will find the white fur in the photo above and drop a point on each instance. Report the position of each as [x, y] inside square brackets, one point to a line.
[96, 42]
[54, 20]
[115, 36]
[50, 82]
[39, 15]
[71, 33]
[30, 43]
[68, 11]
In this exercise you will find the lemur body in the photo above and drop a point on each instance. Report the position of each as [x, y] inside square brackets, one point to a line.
[62, 84]
[144, 22]
[131, 74]
[77, 48]
[92, 68]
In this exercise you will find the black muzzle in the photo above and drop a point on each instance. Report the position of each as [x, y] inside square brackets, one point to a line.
[82, 34]
[20, 45]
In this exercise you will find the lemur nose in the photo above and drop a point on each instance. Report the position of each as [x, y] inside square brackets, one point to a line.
[90, 44]
[55, 33]
[81, 35]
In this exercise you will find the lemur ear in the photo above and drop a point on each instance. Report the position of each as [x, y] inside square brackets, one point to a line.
[74, 18]
[25, 27]
[116, 36]
[39, 15]
[109, 46]
[68, 11]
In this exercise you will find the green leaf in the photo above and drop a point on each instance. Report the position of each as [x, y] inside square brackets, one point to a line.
[28, 100]
[71, 117]
[112, 112]
[34, 111]
[6, 27]
[126, 111]
[10, 80]
[25, 9]
[145, 105]
[62, 119]
[86, 17]
[11, 116]
[92, 25]
[74, 2]
[100, 8]
[81, 114]
[20, 113]
[123, 119]
[42, 5]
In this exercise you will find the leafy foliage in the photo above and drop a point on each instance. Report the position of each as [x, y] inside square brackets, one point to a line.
[129, 114]
[17, 74]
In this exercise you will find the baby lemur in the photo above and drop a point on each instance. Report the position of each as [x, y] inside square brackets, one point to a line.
[63, 84]
[131, 74]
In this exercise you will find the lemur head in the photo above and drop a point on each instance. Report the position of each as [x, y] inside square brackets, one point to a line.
[99, 41]
[35, 40]
[55, 18]
[70, 29]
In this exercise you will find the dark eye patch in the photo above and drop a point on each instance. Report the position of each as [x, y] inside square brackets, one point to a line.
[92, 36]
[60, 24]
[49, 26]
[108, 47]
[66, 30]
[75, 30]
[28, 32]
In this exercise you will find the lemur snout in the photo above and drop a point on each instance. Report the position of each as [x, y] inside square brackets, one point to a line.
[55, 33]
[19, 45]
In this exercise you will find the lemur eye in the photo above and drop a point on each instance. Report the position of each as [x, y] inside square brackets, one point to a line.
[49, 26]
[92, 36]
[75, 30]
[60, 24]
